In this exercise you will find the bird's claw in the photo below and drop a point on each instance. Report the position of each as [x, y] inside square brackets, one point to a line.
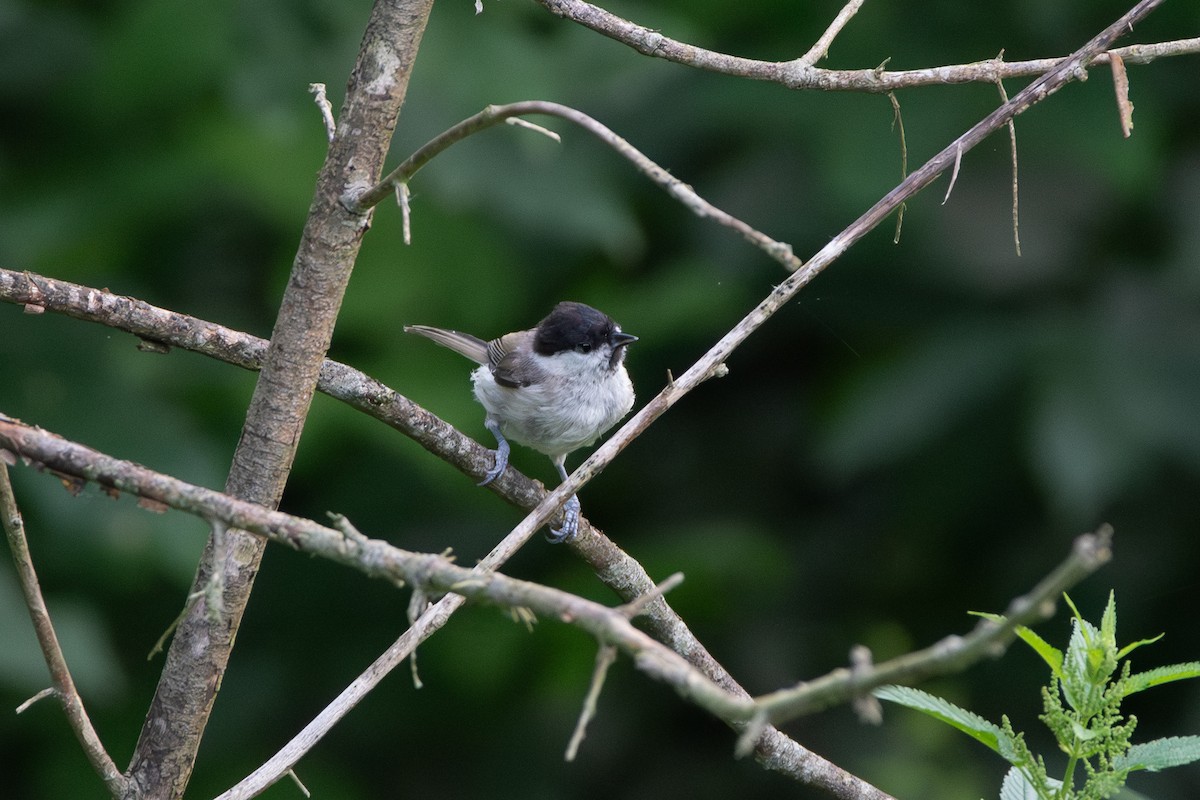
[497, 470]
[501, 453]
[570, 523]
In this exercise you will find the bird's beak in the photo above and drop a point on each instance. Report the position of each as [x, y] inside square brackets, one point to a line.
[621, 339]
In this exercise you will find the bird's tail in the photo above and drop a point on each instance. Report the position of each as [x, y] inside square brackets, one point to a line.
[465, 344]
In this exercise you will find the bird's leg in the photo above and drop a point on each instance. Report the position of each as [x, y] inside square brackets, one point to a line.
[570, 525]
[501, 452]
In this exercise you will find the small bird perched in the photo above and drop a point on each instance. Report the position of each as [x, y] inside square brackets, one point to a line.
[554, 388]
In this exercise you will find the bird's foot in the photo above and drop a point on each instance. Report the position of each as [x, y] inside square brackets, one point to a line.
[570, 523]
[501, 453]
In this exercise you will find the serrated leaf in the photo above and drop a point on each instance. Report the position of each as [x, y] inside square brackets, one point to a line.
[1153, 677]
[1016, 786]
[1129, 648]
[1108, 623]
[968, 722]
[1159, 754]
[1050, 654]
[1082, 679]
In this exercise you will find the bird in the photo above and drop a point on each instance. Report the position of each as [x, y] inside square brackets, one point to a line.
[555, 388]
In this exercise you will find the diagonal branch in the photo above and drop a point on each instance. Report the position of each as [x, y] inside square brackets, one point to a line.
[820, 48]
[615, 568]
[712, 363]
[1088, 553]
[60, 675]
[376, 558]
[800, 73]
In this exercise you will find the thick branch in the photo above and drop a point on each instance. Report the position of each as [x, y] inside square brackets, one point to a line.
[800, 73]
[165, 754]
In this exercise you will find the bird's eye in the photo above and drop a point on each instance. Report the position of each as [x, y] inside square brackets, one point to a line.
[583, 347]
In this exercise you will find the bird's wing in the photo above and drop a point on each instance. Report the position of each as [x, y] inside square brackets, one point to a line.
[465, 344]
[506, 368]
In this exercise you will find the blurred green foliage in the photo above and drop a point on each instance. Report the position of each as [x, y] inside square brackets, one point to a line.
[922, 433]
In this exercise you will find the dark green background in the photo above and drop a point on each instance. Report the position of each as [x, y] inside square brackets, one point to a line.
[921, 434]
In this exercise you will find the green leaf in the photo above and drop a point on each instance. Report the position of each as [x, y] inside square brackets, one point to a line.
[1153, 677]
[1108, 623]
[1017, 786]
[1159, 754]
[968, 722]
[1129, 648]
[1085, 670]
[1050, 654]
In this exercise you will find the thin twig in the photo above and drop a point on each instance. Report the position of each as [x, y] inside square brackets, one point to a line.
[605, 657]
[821, 48]
[42, 695]
[322, 101]
[361, 202]
[60, 675]
[1012, 146]
[638, 605]
[1088, 553]
[954, 175]
[898, 123]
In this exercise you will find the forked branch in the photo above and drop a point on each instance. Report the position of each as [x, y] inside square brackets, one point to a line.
[611, 626]
[800, 73]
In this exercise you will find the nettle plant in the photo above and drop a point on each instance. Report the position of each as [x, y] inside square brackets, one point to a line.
[1082, 708]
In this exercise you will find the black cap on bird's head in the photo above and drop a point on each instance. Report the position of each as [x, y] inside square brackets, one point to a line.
[575, 326]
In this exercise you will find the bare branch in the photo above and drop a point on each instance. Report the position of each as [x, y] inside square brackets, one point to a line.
[196, 661]
[821, 48]
[60, 675]
[623, 574]
[605, 657]
[800, 74]
[376, 558]
[1088, 553]
[360, 202]
[1012, 146]
[434, 573]
[1068, 69]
